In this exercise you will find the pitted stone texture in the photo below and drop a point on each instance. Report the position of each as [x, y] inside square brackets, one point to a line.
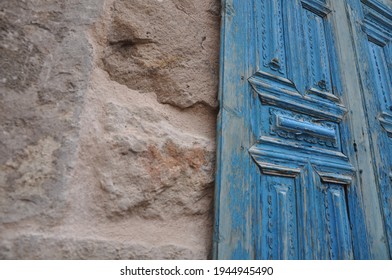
[92, 163]
[46, 62]
[153, 171]
[41, 247]
[168, 47]
[144, 165]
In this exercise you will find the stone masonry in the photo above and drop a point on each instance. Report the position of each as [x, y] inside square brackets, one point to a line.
[107, 144]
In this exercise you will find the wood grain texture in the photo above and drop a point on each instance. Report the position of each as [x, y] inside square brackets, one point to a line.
[372, 26]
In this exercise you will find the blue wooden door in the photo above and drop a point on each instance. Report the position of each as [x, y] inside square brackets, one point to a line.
[294, 158]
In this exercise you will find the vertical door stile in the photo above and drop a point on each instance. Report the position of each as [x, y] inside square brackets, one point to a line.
[372, 26]
[233, 210]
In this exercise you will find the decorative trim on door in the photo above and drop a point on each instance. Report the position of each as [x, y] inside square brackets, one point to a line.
[320, 9]
[386, 123]
[275, 90]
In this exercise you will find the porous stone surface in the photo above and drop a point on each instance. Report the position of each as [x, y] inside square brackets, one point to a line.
[108, 113]
[46, 63]
[168, 47]
[40, 247]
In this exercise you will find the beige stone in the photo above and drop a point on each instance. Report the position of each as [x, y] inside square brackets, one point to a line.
[46, 64]
[166, 47]
[141, 163]
[108, 112]
[40, 247]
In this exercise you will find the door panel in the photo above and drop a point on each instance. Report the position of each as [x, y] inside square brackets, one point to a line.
[278, 219]
[314, 36]
[338, 229]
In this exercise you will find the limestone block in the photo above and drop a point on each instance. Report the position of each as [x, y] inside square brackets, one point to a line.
[46, 62]
[41, 247]
[144, 165]
[166, 47]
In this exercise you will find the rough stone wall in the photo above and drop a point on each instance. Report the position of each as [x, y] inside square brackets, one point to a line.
[107, 144]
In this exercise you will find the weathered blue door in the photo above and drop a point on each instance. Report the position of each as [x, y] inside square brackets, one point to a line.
[304, 131]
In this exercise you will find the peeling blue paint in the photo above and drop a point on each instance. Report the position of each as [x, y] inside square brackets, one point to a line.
[287, 184]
